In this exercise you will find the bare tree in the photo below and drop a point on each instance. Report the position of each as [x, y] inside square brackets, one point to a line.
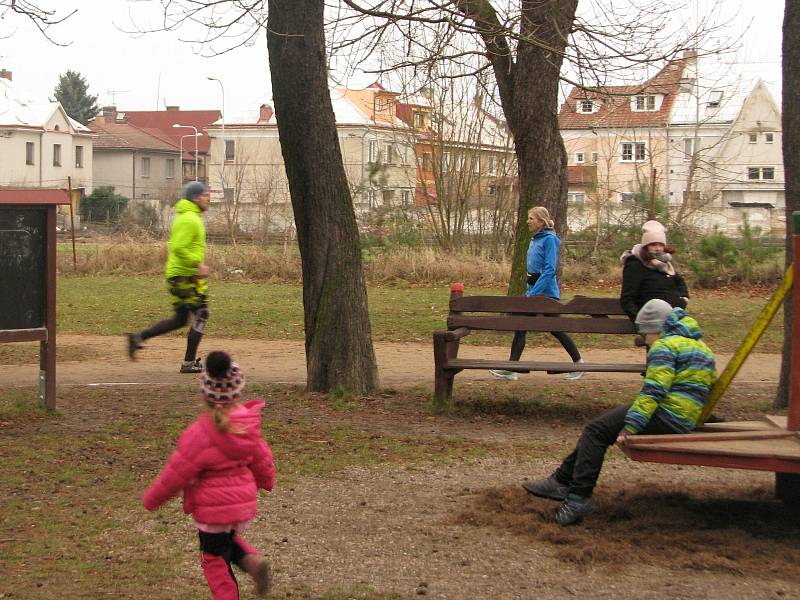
[42, 18]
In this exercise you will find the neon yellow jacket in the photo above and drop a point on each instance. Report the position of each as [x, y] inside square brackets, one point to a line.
[187, 240]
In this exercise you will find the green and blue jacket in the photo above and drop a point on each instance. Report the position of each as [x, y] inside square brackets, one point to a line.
[680, 372]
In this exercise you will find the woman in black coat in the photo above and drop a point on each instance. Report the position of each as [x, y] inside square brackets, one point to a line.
[648, 273]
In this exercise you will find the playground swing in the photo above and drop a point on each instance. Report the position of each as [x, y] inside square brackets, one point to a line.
[769, 444]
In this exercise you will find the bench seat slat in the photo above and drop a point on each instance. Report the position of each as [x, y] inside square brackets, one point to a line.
[582, 305]
[530, 323]
[527, 366]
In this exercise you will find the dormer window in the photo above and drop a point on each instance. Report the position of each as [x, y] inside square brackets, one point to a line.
[419, 120]
[586, 106]
[714, 99]
[644, 103]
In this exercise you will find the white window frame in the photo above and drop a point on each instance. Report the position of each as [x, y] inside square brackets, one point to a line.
[644, 103]
[714, 98]
[626, 197]
[230, 150]
[460, 162]
[760, 173]
[379, 104]
[580, 158]
[764, 173]
[371, 196]
[594, 157]
[445, 161]
[419, 120]
[689, 145]
[583, 104]
[405, 197]
[476, 165]
[634, 152]
[769, 137]
[170, 168]
[387, 154]
[372, 151]
[576, 197]
[491, 166]
[144, 165]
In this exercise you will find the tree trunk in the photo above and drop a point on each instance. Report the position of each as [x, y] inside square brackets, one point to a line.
[339, 350]
[529, 97]
[791, 166]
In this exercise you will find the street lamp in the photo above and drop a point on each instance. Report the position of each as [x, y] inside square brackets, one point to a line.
[222, 164]
[196, 135]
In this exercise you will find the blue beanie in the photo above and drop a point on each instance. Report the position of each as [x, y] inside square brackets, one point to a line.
[193, 189]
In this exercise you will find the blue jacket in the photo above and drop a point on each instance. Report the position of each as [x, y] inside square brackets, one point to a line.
[543, 259]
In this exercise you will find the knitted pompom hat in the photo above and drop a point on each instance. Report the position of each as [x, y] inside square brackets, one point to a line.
[223, 381]
[653, 232]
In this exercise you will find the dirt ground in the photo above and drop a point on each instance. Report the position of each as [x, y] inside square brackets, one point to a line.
[464, 528]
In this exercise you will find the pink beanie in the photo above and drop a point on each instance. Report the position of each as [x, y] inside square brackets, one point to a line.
[653, 232]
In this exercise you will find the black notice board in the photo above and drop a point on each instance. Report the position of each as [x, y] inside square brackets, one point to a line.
[23, 267]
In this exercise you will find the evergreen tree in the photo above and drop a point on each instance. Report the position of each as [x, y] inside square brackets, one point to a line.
[72, 92]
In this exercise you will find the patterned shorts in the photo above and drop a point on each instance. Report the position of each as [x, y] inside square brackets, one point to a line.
[188, 291]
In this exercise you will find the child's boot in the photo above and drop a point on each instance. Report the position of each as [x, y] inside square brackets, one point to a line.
[255, 566]
[219, 576]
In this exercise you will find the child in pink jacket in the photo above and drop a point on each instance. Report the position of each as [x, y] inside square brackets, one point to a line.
[219, 465]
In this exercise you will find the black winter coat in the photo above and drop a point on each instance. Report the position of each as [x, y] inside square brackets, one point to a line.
[641, 284]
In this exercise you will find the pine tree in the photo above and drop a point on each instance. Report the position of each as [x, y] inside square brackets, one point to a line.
[72, 92]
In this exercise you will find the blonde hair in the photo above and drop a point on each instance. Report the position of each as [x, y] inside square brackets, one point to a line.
[220, 418]
[541, 213]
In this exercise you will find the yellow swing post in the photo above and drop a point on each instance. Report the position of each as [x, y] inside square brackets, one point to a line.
[747, 345]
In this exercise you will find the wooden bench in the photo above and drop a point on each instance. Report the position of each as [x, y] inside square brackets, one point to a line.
[514, 313]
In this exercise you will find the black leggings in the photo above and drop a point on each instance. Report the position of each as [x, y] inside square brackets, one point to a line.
[178, 320]
[518, 345]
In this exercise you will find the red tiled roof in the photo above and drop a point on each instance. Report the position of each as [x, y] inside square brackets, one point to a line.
[615, 102]
[163, 120]
[33, 196]
[113, 135]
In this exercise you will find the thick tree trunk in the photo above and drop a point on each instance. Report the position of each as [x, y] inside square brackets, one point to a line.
[791, 165]
[339, 350]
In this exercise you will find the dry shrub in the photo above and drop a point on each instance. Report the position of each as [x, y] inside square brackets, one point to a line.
[723, 529]
[429, 266]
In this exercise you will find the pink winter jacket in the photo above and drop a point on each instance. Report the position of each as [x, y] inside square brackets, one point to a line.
[220, 473]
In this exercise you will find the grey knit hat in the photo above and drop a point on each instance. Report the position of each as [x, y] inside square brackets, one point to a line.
[652, 316]
[193, 189]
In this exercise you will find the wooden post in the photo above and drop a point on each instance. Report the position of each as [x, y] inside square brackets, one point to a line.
[72, 224]
[47, 347]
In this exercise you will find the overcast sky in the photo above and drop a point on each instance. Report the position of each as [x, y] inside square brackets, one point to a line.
[148, 72]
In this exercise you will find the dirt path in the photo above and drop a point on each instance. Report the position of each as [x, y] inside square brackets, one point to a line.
[281, 361]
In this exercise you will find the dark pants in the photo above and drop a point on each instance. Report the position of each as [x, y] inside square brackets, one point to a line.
[518, 345]
[178, 320]
[581, 469]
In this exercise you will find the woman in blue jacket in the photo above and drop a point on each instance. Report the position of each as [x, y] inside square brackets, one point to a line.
[542, 263]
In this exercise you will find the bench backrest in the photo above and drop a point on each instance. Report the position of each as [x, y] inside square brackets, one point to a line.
[582, 314]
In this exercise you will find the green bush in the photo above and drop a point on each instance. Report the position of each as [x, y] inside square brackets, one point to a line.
[103, 205]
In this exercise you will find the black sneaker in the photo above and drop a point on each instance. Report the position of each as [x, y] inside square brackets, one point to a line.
[572, 511]
[134, 344]
[192, 366]
[548, 487]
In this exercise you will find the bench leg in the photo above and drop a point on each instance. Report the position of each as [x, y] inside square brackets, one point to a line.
[787, 488]
[443, 388]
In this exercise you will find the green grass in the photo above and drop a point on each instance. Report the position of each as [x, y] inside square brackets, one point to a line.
[110, 305]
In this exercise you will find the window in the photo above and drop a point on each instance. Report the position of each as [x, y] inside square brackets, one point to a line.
[371, 198]
[576, 198]
[753, 138]
[689, 146]
[388, 196]
[579, 156]
[503, 166]
[627, 197]
[56, 155]
[28, 153]
[769, 138]
[426, 161]
[761, 173]
[491, 167]
[79, 157]
[145, 196]
[419, 120]
[445, 161]
[170, 168]
[388, 154]
[379, 104]
[714, 98]
[594, 157]
[230, 150]
[644, 103]
[145, 166]
[373, 151]
[492, 190]
[476, 165]
[405, 197]
[633, 151]
[585, 106]
[460, 162]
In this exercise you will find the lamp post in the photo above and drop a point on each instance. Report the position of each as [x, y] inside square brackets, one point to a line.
[222, 162]
[196, 135]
